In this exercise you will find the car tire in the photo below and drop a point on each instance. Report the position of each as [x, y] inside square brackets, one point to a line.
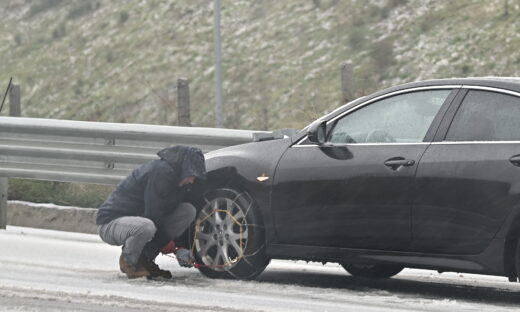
[372, 270]
[229, 238]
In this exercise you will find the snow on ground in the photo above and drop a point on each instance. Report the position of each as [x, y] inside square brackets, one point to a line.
[43, 270]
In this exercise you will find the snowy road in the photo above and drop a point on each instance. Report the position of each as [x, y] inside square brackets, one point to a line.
[44, 270]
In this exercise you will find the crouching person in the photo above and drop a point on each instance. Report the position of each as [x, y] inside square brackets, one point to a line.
[146, 210]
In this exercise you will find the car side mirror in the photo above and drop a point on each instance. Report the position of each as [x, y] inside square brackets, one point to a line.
[317, 132]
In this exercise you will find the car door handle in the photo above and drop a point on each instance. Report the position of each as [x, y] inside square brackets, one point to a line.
[398, 162]
[515, 160]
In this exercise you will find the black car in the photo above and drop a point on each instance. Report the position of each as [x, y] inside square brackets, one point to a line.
[422, 175]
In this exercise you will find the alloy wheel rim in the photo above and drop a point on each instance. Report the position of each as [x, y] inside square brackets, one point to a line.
[221, 234]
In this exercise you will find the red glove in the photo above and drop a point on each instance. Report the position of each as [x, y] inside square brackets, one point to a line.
[169, 248]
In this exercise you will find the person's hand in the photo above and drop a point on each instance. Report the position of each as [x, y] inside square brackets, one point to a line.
[184, 258]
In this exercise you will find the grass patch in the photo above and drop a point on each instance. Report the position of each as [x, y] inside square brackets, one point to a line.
[59, 193]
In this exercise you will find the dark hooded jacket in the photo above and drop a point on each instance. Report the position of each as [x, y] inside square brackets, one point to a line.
[153, 190]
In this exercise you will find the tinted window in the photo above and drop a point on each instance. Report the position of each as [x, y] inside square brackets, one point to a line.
[486, 116]
[402, 118]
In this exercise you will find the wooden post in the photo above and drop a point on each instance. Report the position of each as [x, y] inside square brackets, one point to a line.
[219, 110]
[347, 82]
[15, 109]
[183, 102]
[3, 203]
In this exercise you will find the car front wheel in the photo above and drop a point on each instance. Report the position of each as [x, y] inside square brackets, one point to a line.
[229, 240]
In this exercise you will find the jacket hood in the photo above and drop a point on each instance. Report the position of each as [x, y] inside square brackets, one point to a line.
[188, 160]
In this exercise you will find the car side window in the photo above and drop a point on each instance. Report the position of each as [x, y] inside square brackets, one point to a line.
[486, 116]
[403, 118]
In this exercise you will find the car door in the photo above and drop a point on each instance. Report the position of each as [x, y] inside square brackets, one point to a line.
[469, 181]
[354, 191]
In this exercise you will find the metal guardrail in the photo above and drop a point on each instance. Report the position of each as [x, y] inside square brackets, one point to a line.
[94, 152]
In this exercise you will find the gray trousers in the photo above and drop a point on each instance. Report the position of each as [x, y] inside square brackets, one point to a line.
[139, 235]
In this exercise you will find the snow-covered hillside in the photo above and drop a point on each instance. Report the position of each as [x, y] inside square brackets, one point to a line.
[119, 60]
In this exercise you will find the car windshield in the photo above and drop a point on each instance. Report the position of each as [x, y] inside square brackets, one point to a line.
[328, 115]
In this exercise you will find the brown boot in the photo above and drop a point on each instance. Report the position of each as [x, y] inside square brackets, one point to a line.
[132, 271]
[154, 269]
[122, 264]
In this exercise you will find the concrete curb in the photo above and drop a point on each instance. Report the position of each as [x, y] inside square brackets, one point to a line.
[52, 217]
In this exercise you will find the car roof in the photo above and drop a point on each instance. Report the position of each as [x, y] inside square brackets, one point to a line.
[509, 83]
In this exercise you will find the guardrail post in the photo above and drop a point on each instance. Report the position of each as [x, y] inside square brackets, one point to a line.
[347, 82]
[15, 109]
[183, 102]
[3, 203]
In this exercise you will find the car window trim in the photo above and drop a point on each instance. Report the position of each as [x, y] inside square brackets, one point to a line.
[473, 142]
[440, 137]
[447, 119]
[381, 97]
[362, 144]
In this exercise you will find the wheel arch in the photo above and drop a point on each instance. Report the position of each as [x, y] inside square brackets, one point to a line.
[224, 177]
[241, 166]
[229, 177]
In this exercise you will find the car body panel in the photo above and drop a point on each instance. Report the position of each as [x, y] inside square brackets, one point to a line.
[463, 193]
[490, 261]
[241, 165]
[344, 196]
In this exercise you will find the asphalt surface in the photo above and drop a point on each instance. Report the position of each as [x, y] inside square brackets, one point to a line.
[44, 270]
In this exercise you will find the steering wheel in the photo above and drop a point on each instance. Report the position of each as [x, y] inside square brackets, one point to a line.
[379, 136]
